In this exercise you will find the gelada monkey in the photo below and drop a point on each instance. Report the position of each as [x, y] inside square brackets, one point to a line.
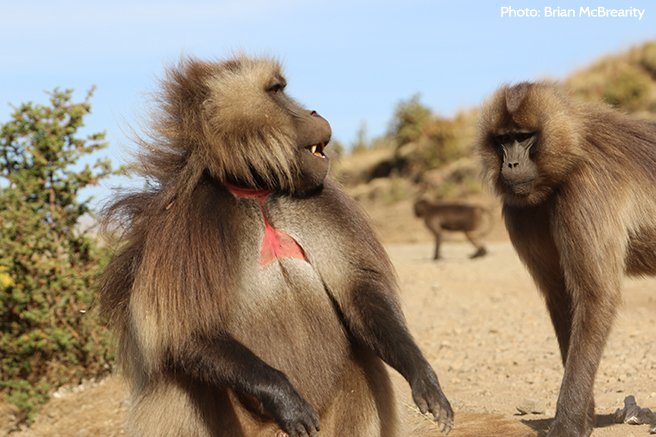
[578, 185]
[455, 216]
[249, 294]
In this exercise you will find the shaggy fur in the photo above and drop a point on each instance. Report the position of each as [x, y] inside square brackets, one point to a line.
[218, 339]
[585, 217]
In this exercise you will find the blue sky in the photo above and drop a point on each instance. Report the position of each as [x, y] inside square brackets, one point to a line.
[352, 61]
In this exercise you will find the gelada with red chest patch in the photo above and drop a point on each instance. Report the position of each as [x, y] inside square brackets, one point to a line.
[249, 294]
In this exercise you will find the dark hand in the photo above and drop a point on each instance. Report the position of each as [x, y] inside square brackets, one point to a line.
[294, 415]
[428, 396]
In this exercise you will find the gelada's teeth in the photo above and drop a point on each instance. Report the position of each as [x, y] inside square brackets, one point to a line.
[314, 149]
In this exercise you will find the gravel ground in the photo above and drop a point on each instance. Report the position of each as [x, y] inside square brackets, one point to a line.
[486, 330]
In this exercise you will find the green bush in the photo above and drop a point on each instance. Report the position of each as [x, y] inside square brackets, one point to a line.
[645, 57]
[410, 117]
[627, 88]
[49, 334]
[442, 145]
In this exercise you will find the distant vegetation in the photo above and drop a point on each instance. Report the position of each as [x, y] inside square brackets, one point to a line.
[415, 148]
[627, 81]
[422, 153]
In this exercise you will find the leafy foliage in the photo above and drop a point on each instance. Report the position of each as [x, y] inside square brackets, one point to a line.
[410, 116]
[48, 265]
[424, 141]
[442, 146]
[626, 88]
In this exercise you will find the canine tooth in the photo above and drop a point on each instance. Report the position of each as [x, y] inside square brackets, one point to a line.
[313, 149]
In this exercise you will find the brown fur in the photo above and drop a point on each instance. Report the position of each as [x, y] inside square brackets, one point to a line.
[480, 425]
[580, 215]
[217, 343]
[451, 216]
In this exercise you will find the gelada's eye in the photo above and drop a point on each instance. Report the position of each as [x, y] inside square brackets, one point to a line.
[523, 136]
[275, 89]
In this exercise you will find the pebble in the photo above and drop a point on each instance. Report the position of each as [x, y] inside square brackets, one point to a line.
[530, 406]
[634, 415]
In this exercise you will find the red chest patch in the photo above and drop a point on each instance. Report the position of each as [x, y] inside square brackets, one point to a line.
[275, 244]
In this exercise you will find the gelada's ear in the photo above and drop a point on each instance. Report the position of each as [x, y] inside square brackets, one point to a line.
[515, 96]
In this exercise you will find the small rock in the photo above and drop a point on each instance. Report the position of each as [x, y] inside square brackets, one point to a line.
[456, 365]
[634, 415]
[530, 406]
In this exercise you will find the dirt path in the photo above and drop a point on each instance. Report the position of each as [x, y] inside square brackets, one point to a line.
[485, 329]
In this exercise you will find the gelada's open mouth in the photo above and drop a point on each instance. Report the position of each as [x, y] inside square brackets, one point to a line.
[317, 149]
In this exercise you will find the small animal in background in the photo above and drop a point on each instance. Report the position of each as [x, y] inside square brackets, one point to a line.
[249, 294]
[578, 185]
[455, 216]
